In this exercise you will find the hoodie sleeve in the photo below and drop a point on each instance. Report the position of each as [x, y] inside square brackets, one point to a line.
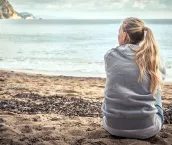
[162, 69]
[106, 58]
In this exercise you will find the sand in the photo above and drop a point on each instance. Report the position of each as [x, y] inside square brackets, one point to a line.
[56, 110]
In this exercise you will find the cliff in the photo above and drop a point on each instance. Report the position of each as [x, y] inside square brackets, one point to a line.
[8, 12]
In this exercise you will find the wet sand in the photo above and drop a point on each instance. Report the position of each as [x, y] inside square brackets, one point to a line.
[57, 110]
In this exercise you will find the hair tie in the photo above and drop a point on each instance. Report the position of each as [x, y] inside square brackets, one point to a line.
[145, 32]
[145, 28]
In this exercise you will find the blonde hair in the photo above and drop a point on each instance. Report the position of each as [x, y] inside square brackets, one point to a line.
[147, 57]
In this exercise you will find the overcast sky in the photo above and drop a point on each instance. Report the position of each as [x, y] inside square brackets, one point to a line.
[148, 9]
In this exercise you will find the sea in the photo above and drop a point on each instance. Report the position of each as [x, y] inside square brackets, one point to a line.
[70, 47]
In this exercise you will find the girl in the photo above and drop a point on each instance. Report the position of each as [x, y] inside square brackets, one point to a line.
[132, 105]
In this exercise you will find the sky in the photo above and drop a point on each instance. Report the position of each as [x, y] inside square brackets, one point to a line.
[95, 9]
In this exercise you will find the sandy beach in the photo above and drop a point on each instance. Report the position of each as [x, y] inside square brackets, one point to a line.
[39, 109]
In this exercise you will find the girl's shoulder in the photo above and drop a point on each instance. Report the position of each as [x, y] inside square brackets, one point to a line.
[110, 51]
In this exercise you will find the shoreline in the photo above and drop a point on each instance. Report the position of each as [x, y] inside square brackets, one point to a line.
[65, 74]
[75, 75]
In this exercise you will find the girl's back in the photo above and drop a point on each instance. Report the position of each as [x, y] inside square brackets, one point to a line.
[129, 105]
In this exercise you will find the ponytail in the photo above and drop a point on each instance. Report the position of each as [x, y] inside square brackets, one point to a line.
[147, 59]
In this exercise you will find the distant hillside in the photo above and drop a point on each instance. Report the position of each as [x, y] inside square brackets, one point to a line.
[8, 12]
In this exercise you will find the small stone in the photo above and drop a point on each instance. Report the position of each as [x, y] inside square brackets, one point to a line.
[1, 120]
[35, 119]
[23, 138]
[2, 79]
[164, 135]
[89, 129]
[55, 119]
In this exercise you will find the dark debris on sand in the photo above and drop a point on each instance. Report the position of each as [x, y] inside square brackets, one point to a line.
[168, 114]
[68, 106]
[63, 105]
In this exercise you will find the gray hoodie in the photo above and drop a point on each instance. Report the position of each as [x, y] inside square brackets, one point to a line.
[128, 104]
